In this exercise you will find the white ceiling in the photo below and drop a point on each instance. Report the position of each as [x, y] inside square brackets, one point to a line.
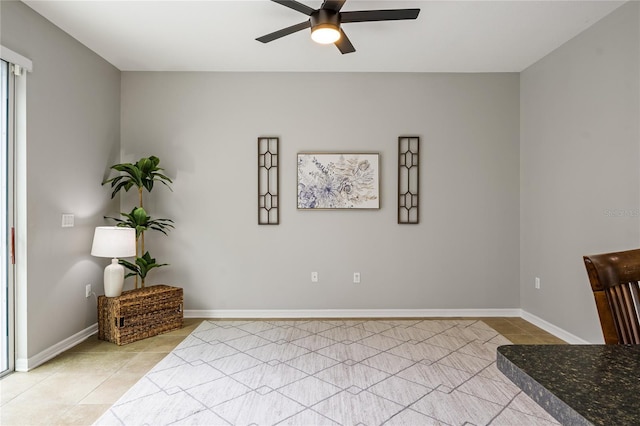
[219, 35]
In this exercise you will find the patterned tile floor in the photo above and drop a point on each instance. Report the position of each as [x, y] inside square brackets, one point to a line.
[330, 372]
[78, 386]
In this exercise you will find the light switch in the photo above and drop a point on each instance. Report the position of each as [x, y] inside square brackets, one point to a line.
[67, 220]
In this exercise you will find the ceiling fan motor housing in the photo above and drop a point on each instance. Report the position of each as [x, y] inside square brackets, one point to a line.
[323, 18]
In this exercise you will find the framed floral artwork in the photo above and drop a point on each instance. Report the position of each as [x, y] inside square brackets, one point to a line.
[338, 181]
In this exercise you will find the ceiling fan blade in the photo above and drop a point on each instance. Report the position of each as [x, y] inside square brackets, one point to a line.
[284, 32]
[344, 44]
[292, 4]
[334, 5]
[378, 15]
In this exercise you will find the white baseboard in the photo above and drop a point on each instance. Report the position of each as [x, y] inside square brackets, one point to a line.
[348, 313]
[26, 364]
[550, 328]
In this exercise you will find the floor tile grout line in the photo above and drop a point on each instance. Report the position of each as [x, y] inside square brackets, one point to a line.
[27, 389]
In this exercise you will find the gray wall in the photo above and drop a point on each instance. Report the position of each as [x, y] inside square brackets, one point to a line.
[73, 119]
[580, 180]
[203, 126]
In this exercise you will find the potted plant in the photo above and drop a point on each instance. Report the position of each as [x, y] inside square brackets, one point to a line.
[142, 175]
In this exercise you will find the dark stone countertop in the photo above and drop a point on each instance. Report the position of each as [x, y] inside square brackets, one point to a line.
[578, 384]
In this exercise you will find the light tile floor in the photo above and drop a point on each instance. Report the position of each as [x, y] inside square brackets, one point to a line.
[79, 385]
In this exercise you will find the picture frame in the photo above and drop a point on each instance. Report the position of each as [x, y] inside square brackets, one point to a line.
[338, 180]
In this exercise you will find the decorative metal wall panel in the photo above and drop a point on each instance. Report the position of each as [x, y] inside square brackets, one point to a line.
[268, 181]
[408, 179]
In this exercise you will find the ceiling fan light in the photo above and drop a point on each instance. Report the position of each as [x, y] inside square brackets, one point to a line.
[325, 34]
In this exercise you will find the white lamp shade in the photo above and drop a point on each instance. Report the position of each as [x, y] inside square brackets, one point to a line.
[114, 241]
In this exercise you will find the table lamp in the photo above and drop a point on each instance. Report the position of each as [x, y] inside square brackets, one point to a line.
[114, 242]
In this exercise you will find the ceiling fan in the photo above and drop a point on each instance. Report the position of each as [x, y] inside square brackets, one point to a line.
[325, 22]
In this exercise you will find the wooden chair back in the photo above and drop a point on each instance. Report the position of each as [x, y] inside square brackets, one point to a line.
[614, 280]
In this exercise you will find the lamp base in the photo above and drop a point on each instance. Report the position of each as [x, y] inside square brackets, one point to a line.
[113, 279]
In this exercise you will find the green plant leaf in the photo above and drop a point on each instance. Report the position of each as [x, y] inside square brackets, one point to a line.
[139, 216]
[143, 174]
[141, 222]
[145, 165]
[142, 266]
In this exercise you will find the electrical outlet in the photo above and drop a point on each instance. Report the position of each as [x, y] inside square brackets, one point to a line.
[356, 277]
[87, 290]
[314, 277]
[537, 283]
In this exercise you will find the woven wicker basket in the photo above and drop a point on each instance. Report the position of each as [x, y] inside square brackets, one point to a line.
[138, 314]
